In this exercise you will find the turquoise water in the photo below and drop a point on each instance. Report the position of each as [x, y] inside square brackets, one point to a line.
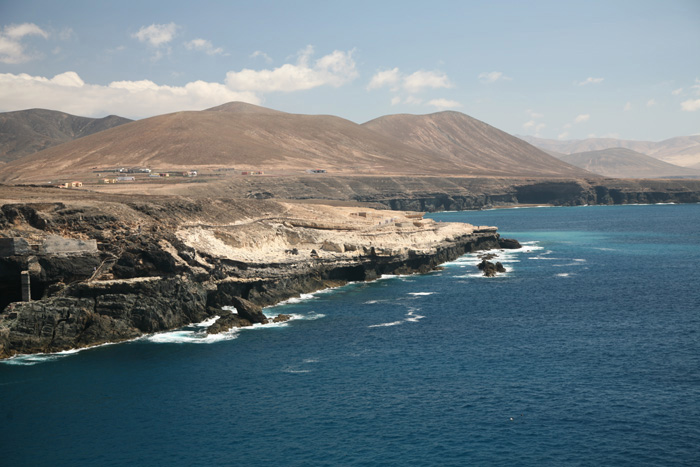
[586, 352]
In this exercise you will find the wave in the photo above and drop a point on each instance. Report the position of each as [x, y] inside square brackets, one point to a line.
[420, 293]
[411, 317]
[35, 358]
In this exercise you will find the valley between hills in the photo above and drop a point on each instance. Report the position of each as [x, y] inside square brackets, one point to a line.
[170, 218]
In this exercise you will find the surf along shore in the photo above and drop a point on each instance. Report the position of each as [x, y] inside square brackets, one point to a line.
[102, 268]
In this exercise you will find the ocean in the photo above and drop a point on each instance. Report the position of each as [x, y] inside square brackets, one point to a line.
[585, 352]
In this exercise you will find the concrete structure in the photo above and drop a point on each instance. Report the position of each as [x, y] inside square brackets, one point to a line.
[59, 245]
[14, 246]
[26, 287]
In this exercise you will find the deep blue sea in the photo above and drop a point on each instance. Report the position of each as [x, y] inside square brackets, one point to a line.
[586, 352]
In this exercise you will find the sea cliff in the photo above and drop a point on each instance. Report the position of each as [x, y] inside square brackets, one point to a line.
[109, 270]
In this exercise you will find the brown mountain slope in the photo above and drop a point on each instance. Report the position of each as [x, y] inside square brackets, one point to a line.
[681, 150]
[248, 137]
[236, 135]
[466, 142]
[625, 163]
[28, 131]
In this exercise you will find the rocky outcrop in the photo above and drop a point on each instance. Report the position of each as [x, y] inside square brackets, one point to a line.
[490, 269]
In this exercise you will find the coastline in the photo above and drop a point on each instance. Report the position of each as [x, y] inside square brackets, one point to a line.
[147, 276]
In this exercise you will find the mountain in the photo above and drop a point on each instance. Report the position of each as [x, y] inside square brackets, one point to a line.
[248, 137]
[681, 150]
[625, 163]
[25, 132]
[467, 142]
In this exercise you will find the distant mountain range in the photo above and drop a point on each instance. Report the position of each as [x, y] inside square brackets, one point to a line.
[249, 137]
[28, 131]
[626, 163]
[682, 150]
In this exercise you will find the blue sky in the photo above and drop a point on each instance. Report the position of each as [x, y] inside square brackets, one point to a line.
[556, 69]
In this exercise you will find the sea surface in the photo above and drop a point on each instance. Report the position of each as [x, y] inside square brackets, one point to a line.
[586, 352]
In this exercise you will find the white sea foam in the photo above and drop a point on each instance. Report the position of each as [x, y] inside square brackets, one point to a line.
[420, 293]
[293, 370]
[33, 359]
[380, 325]
[411, 317]
[563, 274]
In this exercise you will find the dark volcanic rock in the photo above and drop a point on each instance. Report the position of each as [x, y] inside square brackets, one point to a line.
[490, 269]
[227, 321]
[249, 311]
[509, 243]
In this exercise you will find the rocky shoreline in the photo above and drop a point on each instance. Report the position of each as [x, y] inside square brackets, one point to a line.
[111, 272]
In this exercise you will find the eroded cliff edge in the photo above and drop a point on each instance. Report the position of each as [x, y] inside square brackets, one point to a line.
[107, 269]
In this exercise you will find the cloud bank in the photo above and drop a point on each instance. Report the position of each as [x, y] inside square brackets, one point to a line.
[67, 92]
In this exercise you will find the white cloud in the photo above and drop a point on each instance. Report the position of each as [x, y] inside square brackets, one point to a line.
[419, 80]
[563, 135]
[18, 31]
[384, 78]
[696, 87]
[11, 48]
[589, 80]
[259, 53]
[651, 103]
[413, 100]
[627, 107]
[413, 83]
[396, 100]
[203, 45]
[534, 114]
[444, 104]
[334, 69]
[66, 34]
[536, 126]
[493, 76]
[690, 105]
[67, 92]
[677, 92]
[156, 34]
[582, 118]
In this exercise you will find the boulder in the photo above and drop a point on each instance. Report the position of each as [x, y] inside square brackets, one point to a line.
[249, 310]
[509, 243]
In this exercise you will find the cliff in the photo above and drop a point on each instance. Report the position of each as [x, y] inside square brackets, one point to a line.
[107, 269]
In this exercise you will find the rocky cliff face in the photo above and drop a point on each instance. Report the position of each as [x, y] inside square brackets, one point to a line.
[165, 263]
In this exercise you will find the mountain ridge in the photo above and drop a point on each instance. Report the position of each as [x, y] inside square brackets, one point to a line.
[25, 132]
[249, 137]
[680, 150]
[626, 163]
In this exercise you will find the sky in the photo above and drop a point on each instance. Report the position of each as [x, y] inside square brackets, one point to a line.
[554, 69]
